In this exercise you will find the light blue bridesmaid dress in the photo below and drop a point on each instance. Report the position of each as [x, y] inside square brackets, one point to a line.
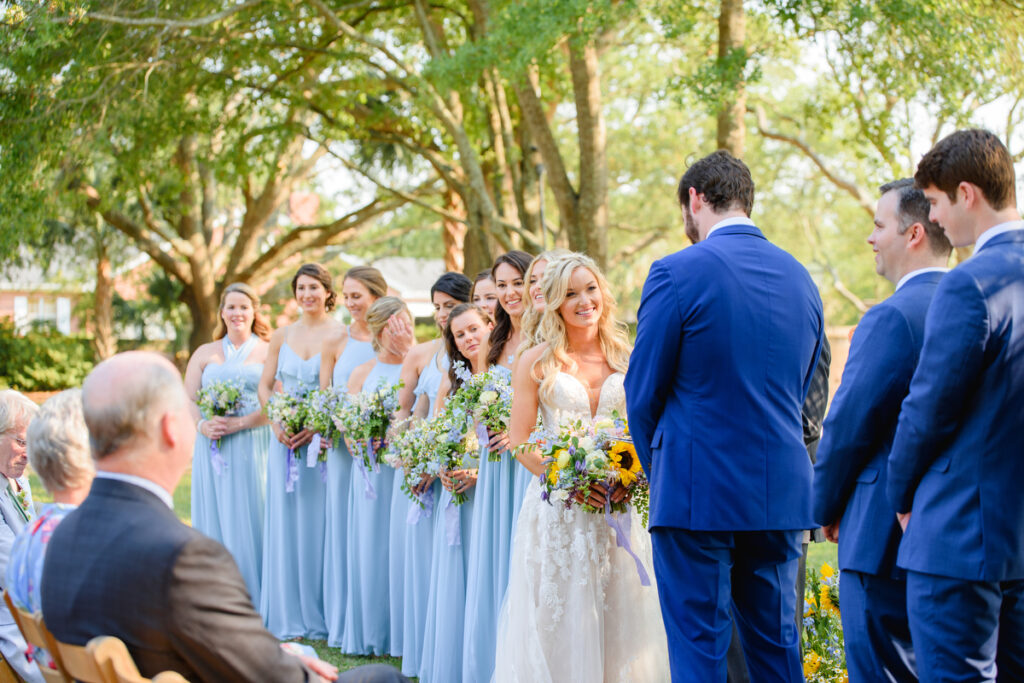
[367, 607]
[441, 658]
[419, 538]
[291, 600]
[239, 490]
[487, 575]
[339, 471]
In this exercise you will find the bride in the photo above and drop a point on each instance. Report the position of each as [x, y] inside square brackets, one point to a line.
[575, 608]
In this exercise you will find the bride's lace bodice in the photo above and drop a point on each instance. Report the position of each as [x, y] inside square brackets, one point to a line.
[569, 400]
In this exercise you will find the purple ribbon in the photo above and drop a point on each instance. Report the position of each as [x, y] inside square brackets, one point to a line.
[313, 452]
[452, 523]
[622, 539]
[323, 471]
[216, 459]
[422, 510]
[481, 435]
[368, 490]
[291, 471]
[373, 455]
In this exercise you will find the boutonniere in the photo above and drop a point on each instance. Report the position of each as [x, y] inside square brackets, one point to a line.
[20, 498]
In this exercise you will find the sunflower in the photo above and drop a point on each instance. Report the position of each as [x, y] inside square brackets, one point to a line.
[624, 462]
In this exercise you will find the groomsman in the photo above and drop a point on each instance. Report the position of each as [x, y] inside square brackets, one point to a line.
[957, 460]
[728, 337]
[849, 478]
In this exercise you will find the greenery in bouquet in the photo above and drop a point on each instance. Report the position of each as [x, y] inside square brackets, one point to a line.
[364, 419]
[412, 451]
[485, 398]
[220, 398]
[581, 454]
[321, 407]
[287, 410]
[450, 440]
[824, 656]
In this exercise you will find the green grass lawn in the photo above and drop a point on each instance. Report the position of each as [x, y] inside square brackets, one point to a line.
[820, 553]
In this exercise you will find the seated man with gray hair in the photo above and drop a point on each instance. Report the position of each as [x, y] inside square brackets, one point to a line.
[16, 510]
[123, 565]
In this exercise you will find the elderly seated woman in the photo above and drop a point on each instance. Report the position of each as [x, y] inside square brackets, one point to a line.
[16, 511]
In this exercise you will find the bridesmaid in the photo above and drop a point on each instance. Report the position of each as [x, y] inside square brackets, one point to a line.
[496, 506]
[484, 294]
[342, 352]
[367, 610]
[441, 661]
[530, 324]
[291, 601]
[424, 367]
[228, 505]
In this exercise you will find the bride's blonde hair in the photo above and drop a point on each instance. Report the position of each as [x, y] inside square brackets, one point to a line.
[611, 333]
[530, 322]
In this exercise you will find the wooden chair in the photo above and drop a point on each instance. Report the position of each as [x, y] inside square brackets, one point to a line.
[113, 658]
[7, 672]
[36, 635]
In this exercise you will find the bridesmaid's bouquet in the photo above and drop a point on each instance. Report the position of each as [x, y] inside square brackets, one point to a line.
[487, 399]
[412, 452]
[580, 455]
[219, 399]
[321, 407]
[364, 418]
[451, 441]
[290, 411]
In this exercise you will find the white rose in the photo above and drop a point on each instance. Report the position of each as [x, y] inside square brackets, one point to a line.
[488, 397]
[605, 424]
[587, 444]
[563, 459]
[561, 495]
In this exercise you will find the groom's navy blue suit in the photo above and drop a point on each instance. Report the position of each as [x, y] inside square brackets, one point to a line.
[850, 477]
[957, 463]
[729, 332]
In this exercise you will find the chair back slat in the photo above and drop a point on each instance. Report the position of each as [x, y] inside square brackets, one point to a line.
[169, 677]
[32, 627]
[79, 663]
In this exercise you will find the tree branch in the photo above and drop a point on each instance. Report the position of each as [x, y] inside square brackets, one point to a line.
[161, 22]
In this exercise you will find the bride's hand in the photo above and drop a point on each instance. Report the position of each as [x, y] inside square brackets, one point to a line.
[597, 496]
[620, 494]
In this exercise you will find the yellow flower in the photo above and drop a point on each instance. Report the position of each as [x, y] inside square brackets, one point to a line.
[826, 571]
[810, 606]
[625, 462]
[811, 663]
[562, 458]
[845, 677]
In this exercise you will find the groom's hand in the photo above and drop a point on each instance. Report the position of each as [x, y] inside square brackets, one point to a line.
[832, 531]
[904, 519]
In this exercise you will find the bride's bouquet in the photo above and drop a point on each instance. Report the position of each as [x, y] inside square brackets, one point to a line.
[289, 411]
[219, 399]
[364, 418]
[485, 398]
[580, 455]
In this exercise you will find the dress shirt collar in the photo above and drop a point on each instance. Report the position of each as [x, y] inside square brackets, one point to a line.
[920, 271]
[735, 220]
[142, 483]
[996, 230]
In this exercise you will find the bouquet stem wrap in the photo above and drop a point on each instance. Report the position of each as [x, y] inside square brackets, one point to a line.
[216, 459]
[292, 471]
[452, 523]
[368, 489]
[620, 524]
[422, 511]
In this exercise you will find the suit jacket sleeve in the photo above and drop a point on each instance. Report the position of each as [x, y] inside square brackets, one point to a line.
[956, 331]
[865, 407]
[652, 366]
[813, 411]
[213, 625]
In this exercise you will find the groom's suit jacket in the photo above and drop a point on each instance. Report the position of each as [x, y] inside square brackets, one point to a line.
[728, 337]
[850, 475]
[122, 564]
[957, 460]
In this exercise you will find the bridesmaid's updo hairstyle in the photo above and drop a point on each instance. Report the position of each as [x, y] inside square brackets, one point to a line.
[321, 275]
[371, 279]
[454, 355]
[377, 317]
[260, 326]
[455, 285]
[502, 331]
[480, 277]
[611, 333]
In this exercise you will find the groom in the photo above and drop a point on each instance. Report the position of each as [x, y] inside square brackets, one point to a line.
[729, 333]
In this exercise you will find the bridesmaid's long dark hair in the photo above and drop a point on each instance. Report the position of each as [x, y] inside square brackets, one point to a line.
[502, 331]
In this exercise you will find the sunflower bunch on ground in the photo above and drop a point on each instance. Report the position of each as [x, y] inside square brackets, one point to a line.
[824, 656]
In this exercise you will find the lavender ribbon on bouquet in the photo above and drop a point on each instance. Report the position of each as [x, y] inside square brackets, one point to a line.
[368, 489]
[622, 539]
[452, 523]
[423, 511]
[216, 459]
[292, 471]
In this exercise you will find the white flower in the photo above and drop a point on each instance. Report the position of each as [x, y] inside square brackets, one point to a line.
[561, 495]
[587, 444]
[604, 424]
[562, 460]
[488, 397]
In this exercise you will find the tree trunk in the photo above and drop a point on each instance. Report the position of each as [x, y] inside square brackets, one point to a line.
[454, 234]
[103, 339]
[589, 233]
[204, 314]
[732, 130]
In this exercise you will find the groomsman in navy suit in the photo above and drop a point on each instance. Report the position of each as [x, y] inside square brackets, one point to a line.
[957, 463]
[728, 338]
[849, 478]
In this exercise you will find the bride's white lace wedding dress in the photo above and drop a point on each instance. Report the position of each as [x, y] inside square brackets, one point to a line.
[575, 609]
